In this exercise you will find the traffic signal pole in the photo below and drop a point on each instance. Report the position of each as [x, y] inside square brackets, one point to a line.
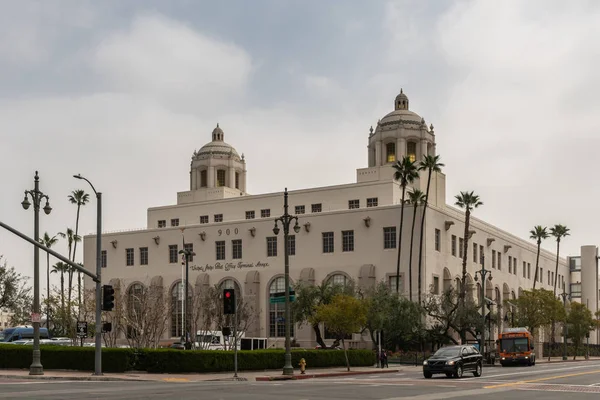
[235, 342]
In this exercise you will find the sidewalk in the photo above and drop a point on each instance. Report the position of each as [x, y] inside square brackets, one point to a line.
[267, 375]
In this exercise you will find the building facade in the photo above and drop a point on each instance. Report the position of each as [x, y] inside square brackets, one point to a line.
[348, 231]
[585, 282]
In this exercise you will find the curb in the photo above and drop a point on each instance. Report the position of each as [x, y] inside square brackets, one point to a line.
[324, 375]
[70, 378]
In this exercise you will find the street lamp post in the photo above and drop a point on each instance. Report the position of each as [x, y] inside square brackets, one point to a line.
[565, 296]
[483, 272]
[98, 330]
[36, 196]
[285, 220]
[187, 254]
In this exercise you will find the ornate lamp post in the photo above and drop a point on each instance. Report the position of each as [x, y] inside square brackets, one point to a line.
[484, 273]
[565, 296]
[36, 196]
[98, 329]
[187, 254]
[285, 220]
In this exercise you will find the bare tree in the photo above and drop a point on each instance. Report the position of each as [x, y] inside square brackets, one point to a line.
[145, 315]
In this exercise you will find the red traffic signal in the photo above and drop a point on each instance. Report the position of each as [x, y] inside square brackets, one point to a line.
[228, 301]
[227, 294]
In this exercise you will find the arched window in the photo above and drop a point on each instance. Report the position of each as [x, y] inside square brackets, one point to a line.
[135, 299]
[338, 279]
[230, 284]
[390, 152]
[177, 305]
[277, 309]
[411, 151]
[220, 177]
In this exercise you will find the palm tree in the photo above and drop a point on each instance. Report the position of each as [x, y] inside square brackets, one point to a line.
[406, 172]
[80, 198]
[538, 233]
[468, 201]
[559, 232]
[48, 242]
[431, 164]
[61, 267]
[416, 198]
[72, 238]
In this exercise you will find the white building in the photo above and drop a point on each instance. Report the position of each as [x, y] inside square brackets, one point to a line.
[347, 231]
[5, 317]
[585, 282]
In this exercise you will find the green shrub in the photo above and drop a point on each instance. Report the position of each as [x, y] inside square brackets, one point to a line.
[176, 361]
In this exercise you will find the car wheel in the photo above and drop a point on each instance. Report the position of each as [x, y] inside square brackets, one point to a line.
[459, 372]
[478, 370]
[427, 375]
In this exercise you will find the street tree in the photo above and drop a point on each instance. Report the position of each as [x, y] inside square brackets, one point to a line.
[80, 198]
[559, 232]
[48, 241]
[415, 198]
[538, 233]
[13, 287]
[310, 297]
[344, 316]
[580, 322]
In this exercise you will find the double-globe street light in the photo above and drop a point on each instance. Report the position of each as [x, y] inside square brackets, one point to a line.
[186, 342]
[565, 296]
[36, 197]
[484, 273]
[98, 333]
[286, 220]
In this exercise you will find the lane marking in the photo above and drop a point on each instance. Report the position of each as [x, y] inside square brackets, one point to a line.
[535, 372]
[548, 378]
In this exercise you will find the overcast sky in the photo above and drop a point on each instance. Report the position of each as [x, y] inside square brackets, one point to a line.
[123, 92]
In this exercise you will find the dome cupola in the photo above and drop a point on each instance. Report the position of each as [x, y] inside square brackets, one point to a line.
[401, 102]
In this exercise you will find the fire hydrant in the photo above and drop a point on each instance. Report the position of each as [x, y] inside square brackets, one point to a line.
[302, 365]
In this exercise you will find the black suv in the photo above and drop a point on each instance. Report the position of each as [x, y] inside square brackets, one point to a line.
[454, 361]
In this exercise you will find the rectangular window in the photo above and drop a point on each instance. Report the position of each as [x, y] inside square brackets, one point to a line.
[389, 237]
[299, 209]
[237, 180]
[189, 247]
[575, 289]
[203, 179]
[218, 217]
[162, 223]
[575, 263]
[481, 255]
[499, 261]
[143, 256]
[291, 245]
[392, 283]
[272, 246]
[548, 277]
[515, 264]
[327, 242]
[540, 277]
[461, 247]
[436, 285]
[220, 177]
[475, 253]
[353, 204]
[266, 213]
[249, 214]
[528, 270]
[453, 245]
[175, 222]
[347, 240]
[236, 249]
[316, 208]
[510, 264]
[129, 257]
[493, 258]
[204, 219]
[438, 235]
[220, 249]
[173, 253]
[372, 202]
[103, 262]
[524, 269]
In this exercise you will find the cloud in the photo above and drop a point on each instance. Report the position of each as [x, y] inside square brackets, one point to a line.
[164, 59]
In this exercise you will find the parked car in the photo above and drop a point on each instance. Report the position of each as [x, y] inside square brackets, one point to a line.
[21, 333]
[454, 361]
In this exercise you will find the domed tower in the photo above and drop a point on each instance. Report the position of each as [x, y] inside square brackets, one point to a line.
[400, 133]
[218, 165]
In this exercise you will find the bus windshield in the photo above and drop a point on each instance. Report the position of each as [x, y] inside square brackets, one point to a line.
[5, 334]
[514, 345]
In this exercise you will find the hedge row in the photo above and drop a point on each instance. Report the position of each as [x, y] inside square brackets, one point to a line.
[176, 361]
[557, 349]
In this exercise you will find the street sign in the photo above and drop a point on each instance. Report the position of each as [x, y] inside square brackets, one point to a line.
[279, 297]
[82, 329]
[36, 317]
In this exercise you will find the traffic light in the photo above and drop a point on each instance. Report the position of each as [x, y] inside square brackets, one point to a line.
[228, 301]
[106, 327]
[108, 298]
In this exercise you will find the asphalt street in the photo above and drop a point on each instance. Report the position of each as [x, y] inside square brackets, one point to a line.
[543, 381]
